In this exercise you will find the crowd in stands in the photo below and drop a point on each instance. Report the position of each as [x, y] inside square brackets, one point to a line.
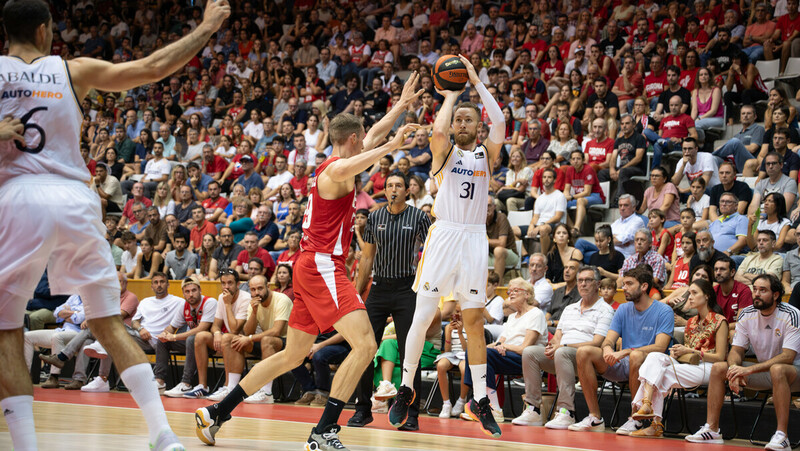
[205, 175]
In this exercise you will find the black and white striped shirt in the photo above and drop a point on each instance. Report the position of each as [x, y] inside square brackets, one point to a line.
[397, 238]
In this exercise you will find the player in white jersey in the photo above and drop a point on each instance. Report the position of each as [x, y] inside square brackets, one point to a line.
[455, 256]
[49, 217]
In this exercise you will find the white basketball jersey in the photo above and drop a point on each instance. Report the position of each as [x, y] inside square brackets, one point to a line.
[40, 94]
[463, 186]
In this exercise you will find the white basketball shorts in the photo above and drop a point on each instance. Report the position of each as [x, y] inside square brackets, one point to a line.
[455, 259]
[47, 221]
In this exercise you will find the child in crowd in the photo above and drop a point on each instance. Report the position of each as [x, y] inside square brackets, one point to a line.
[608, 288]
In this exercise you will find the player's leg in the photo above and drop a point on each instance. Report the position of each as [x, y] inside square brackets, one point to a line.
[357, 331]
[210, 419]
[16, 392]
[479, 407]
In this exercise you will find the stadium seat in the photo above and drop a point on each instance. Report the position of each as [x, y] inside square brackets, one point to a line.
[769, 70]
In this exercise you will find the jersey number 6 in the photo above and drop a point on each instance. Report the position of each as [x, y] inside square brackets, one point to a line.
[24, 120]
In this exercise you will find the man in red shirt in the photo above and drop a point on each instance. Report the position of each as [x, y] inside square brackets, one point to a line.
[732, 295]
[674, 127]
[213, 164]
[599, 150]
[642, 41]
[251, 250]
[696, 37]
[581, 187]
[214, 204]
[654, 83]
[324, 296]
[629, 85]
[200, 229]
[787, 33]
[127, 213]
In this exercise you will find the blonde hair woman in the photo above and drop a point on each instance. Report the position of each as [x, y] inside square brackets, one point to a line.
[518, 178]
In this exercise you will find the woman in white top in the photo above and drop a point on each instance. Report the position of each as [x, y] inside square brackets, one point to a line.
[417, 196]
[564, 142]
[773, 217]
[226, 150]
[254, 128]
[163, 201]
[312, 132]
[518, 179]
[526, 326]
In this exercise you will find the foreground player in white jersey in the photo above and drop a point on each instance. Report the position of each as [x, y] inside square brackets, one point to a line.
[50, 218]
[454, 257]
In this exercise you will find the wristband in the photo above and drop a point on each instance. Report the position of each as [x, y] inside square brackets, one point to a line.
[250, 337]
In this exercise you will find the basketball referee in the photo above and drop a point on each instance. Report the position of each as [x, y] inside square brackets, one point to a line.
[393, 237]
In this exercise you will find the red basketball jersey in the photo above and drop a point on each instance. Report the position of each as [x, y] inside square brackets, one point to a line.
[328, 224]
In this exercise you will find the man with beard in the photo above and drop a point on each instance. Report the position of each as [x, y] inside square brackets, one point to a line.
[645, 326]
[732, 295]
[770, 328]
[706, 254]
[462, 173]
[197, 315]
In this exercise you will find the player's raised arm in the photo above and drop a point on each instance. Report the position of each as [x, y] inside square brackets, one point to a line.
[347, 168]
[90, 73]
[382, 128]
[440, 139]
[497, 131]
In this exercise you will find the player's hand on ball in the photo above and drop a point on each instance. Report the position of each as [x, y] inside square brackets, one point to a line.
[473, 75]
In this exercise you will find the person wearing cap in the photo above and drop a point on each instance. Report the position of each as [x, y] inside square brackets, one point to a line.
[580, 61]
[196, 316]
[108, 188]
[250, 178]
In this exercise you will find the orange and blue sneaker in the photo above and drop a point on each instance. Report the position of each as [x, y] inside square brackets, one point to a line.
[398, 413]
[481, 411]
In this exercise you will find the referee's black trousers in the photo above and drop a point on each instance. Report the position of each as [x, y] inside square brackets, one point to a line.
[396, 298]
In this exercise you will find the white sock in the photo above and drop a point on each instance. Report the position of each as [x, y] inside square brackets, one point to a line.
[447, 403]
[233, 380]
[492, 394]
[268, 388]
[143, 387]
[478, 381]
[462, 400]
[18, 411]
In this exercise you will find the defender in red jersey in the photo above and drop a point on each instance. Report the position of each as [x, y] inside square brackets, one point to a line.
[324, 296]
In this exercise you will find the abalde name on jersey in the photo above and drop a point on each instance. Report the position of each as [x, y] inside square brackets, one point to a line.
[31, 77]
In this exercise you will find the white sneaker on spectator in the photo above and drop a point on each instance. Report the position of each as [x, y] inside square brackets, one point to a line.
[97, 385]
[562, 420]
[498, 415]
[458, 408]
[95, 351]
[386, 390]
[178, 391]
[447, 410]
[219, 395]
[779, 442]
[529, 417]
[706, 435]
[260, 397]
[379, 406]
[589, 424]
[629, 426]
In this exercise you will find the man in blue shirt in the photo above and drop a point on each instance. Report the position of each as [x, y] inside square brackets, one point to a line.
[645, 326]
[420, 155]
[198, 181]
[730, 228]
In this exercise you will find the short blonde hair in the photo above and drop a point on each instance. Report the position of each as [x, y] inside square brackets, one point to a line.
[525, 285]
[342, 126]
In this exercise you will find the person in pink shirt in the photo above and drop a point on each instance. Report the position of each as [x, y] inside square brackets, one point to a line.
[472, 42]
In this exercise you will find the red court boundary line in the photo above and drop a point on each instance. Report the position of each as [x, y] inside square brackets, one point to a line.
[428, 425]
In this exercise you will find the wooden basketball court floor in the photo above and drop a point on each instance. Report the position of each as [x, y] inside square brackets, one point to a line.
[68, 420]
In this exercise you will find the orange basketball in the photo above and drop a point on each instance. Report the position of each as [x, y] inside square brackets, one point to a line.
[449, 73]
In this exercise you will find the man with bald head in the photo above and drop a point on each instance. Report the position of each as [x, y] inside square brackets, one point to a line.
[263, 334]
[673, 129]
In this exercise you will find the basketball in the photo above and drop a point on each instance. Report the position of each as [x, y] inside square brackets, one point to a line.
[449, 73]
